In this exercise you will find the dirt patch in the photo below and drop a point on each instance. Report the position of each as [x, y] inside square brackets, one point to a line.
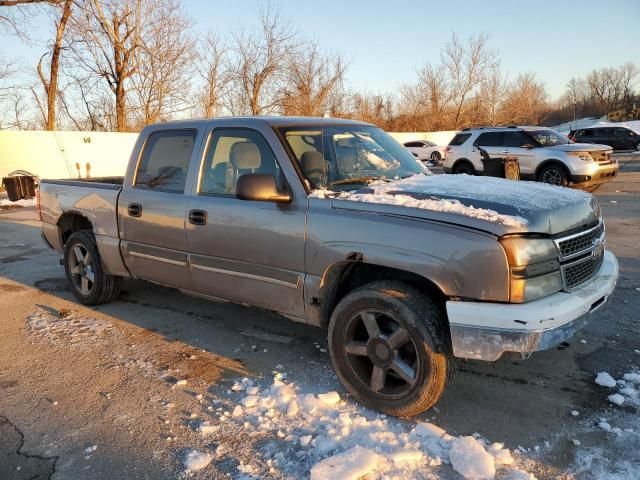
[9, 287]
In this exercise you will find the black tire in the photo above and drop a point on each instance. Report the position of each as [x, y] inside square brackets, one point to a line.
[464, 167]
[637, 147]
[374, 371]
[88, 281]
[435, 156]
[554, 174]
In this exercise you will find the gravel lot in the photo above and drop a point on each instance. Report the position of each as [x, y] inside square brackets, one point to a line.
[74, 378]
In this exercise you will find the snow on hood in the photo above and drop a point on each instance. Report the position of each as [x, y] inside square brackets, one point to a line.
[511, 205]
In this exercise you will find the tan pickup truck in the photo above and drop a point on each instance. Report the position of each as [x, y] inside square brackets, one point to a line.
[333, 223]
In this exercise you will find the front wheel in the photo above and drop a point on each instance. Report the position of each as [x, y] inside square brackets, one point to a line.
[387, 348]
[89, 283]
[435, 156]
[554, 175]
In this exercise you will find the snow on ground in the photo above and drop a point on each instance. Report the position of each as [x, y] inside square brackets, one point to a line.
[325, 437]
[620, 425]
[69, 329]
[5, 202]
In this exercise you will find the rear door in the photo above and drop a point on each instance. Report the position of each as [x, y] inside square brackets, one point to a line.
[491, 142]
[605, 136]
[153, 208]
[246, 251]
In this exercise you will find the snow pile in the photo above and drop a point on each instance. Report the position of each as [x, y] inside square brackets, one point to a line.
[335, 439]
[470, 459]
[353, 464]
[69, 329]
[605, 380]
[195, 460]
[628, 388]
[5, 202]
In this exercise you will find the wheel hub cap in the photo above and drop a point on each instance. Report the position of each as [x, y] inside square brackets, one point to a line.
[379, 352]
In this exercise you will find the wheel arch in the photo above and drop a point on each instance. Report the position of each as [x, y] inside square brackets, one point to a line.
[463, 160]
[70, 222]
[343, 277]
[552, 161]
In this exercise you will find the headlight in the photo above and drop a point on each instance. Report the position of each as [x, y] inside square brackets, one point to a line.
[582, 156]
[534, 268]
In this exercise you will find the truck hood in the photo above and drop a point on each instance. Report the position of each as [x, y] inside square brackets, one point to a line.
[494, 205]
[581, 147]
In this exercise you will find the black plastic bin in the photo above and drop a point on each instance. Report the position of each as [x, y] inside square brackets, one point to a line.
[13, 188]
[493, 167]
[28, 187]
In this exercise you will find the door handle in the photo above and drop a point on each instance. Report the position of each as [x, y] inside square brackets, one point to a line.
[197, 217]
[134, 210]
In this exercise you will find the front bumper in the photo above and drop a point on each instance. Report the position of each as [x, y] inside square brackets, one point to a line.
[484, 331]
[601, 174]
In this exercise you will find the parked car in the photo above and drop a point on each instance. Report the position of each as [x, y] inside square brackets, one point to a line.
[424, 150]
[617, 137]
[282, 213]
[544, 155]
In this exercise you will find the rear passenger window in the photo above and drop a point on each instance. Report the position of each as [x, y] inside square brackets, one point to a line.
[165, 160]
[490, 139]
[232, 153]
[459, 139]
[585, 133]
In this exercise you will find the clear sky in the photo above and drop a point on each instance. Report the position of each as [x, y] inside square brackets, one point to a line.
[387, 40]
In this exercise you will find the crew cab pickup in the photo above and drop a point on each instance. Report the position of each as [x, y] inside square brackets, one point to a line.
[333, 223]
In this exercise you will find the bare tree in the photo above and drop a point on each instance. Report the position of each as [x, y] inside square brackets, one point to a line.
[311, 78]
[467, 65]
[16, 19]
[50, 83]
[107, 40]
[215, 74]
[492, 92]
[164, 63]
[526, 101]
[260, 57]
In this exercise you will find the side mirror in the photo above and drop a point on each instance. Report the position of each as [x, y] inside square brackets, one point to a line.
[260, 187]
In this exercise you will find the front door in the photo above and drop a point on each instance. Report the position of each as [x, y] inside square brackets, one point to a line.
[152, 211]
[245, 251]
[519, 145]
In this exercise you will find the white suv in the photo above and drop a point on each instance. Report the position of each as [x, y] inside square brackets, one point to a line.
[544, 155]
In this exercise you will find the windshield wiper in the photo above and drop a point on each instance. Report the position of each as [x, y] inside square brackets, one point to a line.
[355, 180]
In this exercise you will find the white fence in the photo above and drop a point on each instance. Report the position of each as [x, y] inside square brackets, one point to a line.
[58, 154]
[55, 154]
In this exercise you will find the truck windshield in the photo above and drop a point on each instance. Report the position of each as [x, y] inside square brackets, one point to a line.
[347, 157]
[548, 138]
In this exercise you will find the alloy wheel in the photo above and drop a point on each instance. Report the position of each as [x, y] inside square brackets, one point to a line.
[81, 269]
[381, 353]
[552, 176]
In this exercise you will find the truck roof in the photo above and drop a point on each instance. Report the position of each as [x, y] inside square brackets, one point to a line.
[273, 121]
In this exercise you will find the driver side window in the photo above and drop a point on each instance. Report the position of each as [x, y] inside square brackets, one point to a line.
[232, 153]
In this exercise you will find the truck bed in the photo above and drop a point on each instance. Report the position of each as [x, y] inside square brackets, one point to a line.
[96, 199]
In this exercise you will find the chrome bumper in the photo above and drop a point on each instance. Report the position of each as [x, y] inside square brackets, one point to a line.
[484, 331]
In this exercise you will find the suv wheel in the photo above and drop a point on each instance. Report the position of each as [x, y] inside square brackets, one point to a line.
[464, 167]
[637, 147]
[387, 348]
[554, 174]
[88, 281]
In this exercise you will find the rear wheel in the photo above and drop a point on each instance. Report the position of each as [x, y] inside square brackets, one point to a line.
[554, 174]
[387, 348]
[89, 283]
[436, 157]
[464, 167]
[637, 147]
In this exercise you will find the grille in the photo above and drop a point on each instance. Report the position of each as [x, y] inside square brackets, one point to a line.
[579, 273]
[581, 242]
[602, 158]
